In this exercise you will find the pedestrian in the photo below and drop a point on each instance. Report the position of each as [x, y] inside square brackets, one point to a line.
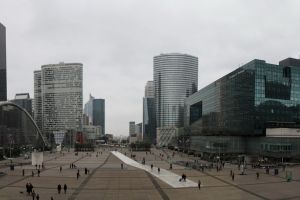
[51, 198]
[33, 195]
[85, 171]
[171, 166]
[23, 172]
[78, 175]
[37, 197]
[199, 184]
[122, 166]
[27, 188]
[184, 177]
[58, 188]
[39, 173]
[32, 173]
[65, 188]
[232, 177]
[158, 169]
[60, 168]
[30, 188]
[257, 175]
[151, 166]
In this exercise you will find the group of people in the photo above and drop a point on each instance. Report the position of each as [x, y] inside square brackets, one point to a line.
[73, 166]
[59, 188]
[31, 192]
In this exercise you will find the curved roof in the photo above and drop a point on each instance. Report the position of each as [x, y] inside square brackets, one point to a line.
[5, 103]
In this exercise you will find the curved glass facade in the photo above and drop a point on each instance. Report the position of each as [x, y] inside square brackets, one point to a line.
[175, 78]
[17, 128]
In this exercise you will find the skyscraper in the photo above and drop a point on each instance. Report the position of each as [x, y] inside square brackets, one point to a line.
[149, 89]
[3, 87]
[37, 105]
[61, 97]
[175, 78]
[149, 119]
[94, 109]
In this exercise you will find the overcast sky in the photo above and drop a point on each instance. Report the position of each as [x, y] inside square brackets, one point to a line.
[117, 39]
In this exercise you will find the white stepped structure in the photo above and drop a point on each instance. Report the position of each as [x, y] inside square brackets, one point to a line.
[166, 176]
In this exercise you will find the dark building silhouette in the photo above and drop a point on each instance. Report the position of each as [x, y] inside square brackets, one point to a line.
[94, 109]
[24, 101]
[3, 87]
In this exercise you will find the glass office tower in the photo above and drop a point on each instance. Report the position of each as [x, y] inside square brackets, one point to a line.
[3, 87]
[246, 100]
[175, 78]
[247, 103]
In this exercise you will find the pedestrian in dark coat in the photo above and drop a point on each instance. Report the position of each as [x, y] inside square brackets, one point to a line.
[65, 188]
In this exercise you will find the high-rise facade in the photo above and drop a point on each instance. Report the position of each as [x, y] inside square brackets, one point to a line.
[132, 129]
[37, 105]
[149, 118]
[3, 82]
[61, 97]
[94, 109]
[24, 101]
[175, 78]
[254, 110]
[149, 89]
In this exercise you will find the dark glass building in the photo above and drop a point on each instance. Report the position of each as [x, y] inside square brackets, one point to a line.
[240, 108]
[18, 129]
[149, 120]
[3, 87]
[94, 110]
[99, 113]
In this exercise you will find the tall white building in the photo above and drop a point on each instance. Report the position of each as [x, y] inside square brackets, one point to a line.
[175, 78]
[37, 103]
[61, 97]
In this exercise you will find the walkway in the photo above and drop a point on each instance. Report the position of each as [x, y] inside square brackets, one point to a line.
[164, 175]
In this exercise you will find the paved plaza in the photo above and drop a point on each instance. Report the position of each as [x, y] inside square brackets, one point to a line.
[106, 179]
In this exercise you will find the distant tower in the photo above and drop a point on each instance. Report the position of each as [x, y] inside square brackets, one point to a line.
[175, 78]
[3, 83]
[149, 118]
[94, 109]
[24, 101]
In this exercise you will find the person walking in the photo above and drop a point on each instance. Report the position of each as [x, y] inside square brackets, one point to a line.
[78, 175]
[39, 173]
[27, 188]
[158, 170]
[65, 188]
[257, 175]
[151, 166]
[199, 184]
[33, 195]
[32, 173]
[122, 166]
[58, 188]
[37, 197]
[60, 168]
[232, 177]
[23, 172]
